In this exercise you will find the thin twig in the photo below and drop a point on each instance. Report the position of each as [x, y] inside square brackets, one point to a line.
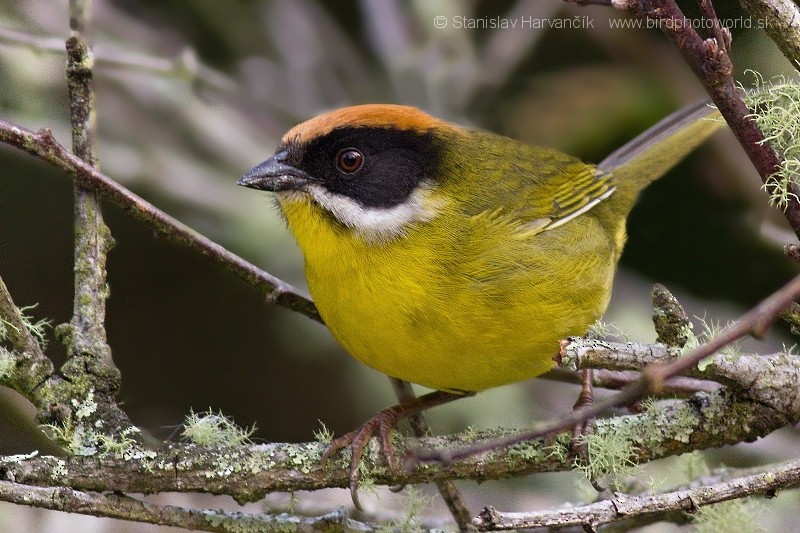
[622, 507]
[447, 488]
[755, 322]
[185, 65]
[617, 379]
[92, 237]
[43, 145]
[126, 508]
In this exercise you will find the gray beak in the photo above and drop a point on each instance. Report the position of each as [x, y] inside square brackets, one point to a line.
[275, 175]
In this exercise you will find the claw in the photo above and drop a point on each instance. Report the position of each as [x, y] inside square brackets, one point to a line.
[383, 423]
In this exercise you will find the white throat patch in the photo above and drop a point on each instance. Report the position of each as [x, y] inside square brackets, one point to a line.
[376, 224]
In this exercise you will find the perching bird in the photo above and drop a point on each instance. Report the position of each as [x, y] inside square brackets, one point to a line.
[452, 257]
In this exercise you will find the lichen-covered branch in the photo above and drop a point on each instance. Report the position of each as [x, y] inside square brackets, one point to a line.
[26, 367]
[15, 328]
[247, 473]
[781, 21]
[771, 379]
[89, 371]
[126, 508]
[92, 237]
[82, 406]
[43, 145]
[622, 507]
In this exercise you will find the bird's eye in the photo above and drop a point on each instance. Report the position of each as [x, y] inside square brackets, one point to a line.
[349, 160]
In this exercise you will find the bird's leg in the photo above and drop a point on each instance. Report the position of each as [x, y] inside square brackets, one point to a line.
[585, 399]
[382, 423]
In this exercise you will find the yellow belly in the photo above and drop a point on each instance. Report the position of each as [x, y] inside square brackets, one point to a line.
[452, 312]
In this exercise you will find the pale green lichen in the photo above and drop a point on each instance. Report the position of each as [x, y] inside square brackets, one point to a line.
[776, 106]
[607, 330]
[323, 434]
[7, 364]
[75, 438]
[125, 445]
[736, 515]
[416, 503]
[525, 452]
[304, 457]
[210, 429]
[86, 407]
[709, 330]
[470, 434]
[609, 456]
[226, 464]
[74, 433]
[245, 523]
[60, 470]
[653, 431]
[36, 328]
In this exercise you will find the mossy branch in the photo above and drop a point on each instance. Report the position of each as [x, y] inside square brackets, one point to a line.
[771, 379]
[24, 368]
[125, 507]
[15, 328]
[247, 473]
[781, 20]
[622, 508]
[92, 237]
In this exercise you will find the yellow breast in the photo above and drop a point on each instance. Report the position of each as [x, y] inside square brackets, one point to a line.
[467, 306]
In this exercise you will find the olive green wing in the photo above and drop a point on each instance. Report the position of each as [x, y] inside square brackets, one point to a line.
[534, 188]
[580, 188]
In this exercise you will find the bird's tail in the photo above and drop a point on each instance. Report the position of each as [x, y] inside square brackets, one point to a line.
[651, 154]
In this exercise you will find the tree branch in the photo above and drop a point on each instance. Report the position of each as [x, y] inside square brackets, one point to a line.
[247, 473]
[622, 507]
[768, 379]
[43, 145]
[184, 66]
[92, 237]
[126, 508]
[781, 19]
[617, 379]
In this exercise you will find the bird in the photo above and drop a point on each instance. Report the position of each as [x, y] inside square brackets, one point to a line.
[453, 257]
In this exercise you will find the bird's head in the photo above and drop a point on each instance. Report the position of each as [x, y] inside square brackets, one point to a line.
[373, 168]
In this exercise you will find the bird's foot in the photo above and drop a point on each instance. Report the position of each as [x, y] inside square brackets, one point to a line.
[383, 423]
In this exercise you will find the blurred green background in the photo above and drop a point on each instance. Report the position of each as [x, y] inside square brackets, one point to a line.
[190, 94]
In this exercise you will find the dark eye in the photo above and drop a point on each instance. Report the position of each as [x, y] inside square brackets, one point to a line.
[349, 160]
